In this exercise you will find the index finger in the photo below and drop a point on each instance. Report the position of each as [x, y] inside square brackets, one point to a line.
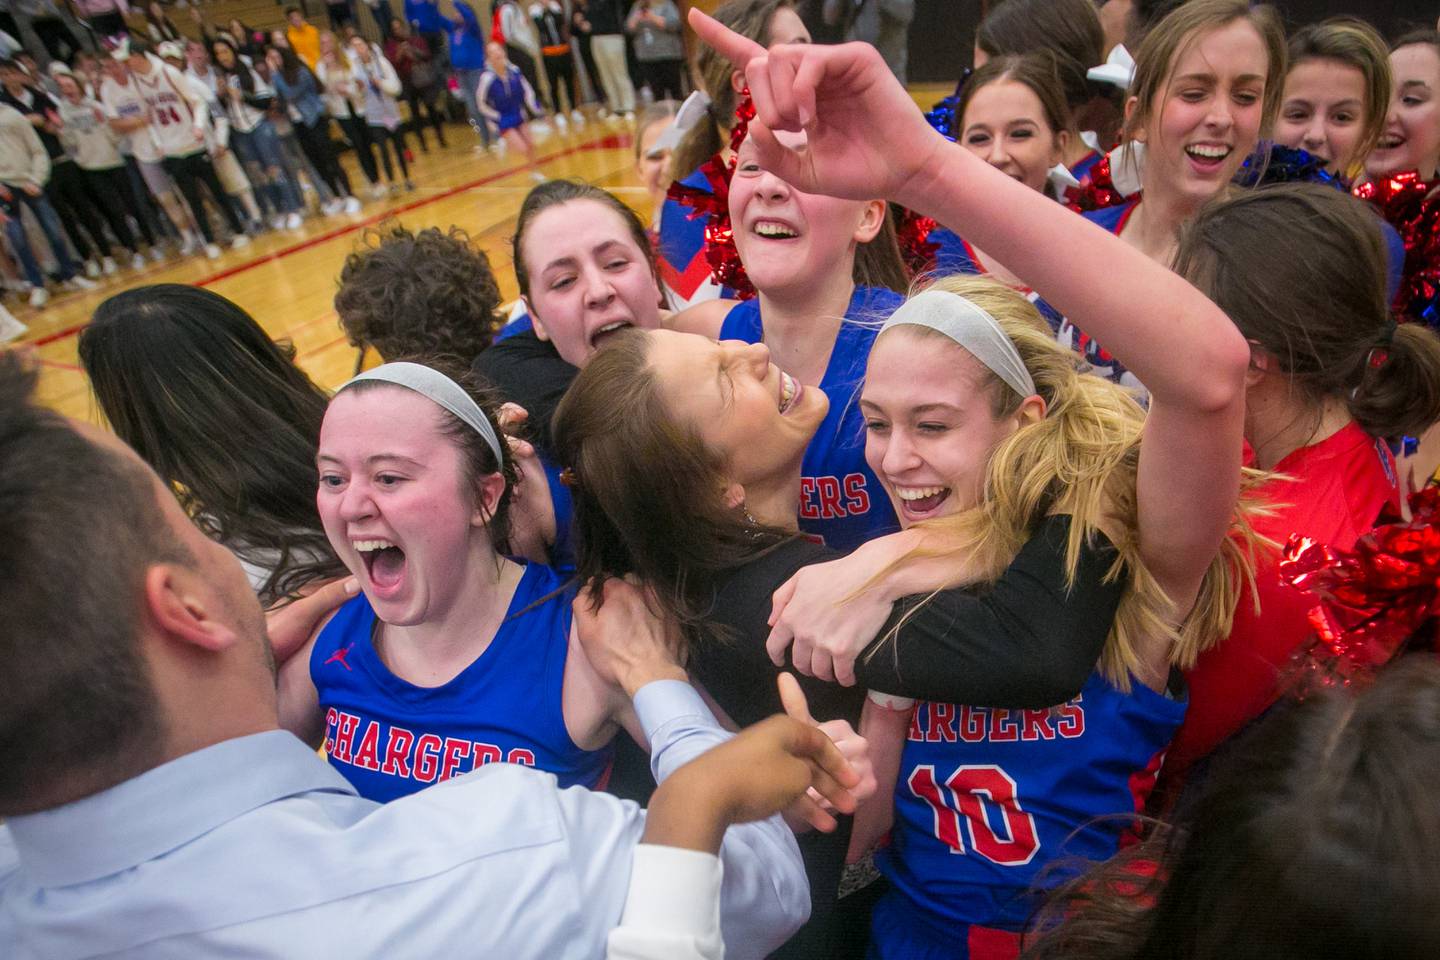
[793, 699]
[832, 769]
[729, 44]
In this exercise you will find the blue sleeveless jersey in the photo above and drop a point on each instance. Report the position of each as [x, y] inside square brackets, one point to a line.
[987, 798]
[841, 500]
[955, 255]
[680, 251]
[390, 738]
[520, 324]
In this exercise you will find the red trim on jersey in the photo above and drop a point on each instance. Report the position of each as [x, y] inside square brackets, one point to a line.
[988, 943]
[686, 282]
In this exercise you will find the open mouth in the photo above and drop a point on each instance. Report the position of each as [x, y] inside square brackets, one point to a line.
[918, 503]
[384, 563]
[790, 391]
[609, 328]
[1390, 141]
[1208, 156]
[774, 230]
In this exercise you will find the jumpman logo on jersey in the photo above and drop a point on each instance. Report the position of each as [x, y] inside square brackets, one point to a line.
[339, 656]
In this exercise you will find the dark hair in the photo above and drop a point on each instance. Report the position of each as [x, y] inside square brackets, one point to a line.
[1411, 38]
[1300, 269]
[1144, 16]
[7, 63]
[648, 493]
[878, 261]
[137, 46]
[751, 19]
[419, 293]
[1316, 835]
[291, 66]
[223, 415]
[1070, 29]
[290, 10]
[1036, 71]
[239, 68]
[478, 459]
[554, 193]
[79, 526]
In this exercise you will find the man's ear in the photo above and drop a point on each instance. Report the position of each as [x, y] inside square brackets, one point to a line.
[734, 495]
[185, 609]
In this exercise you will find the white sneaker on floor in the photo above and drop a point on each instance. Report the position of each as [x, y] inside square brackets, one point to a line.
[578, 117]
[189, 243]
[560, 123]
[212, 252]
[108, 267]
[332, 206]
[277, 222]
[500, 147]
[240, 242]
[156, 254]
[294, 222]
[604, 113]
[10, 328]
[92, 269]
[78, 282]
[378, 191]
[537, 176]
[137, 262]
[628, 116]
[351, 205]
[39, 297]
[539, 128]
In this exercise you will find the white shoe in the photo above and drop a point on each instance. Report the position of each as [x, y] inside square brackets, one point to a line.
[277, 222]
[560, 123]
[39, 297]
[293, 222]
[137, 262]
[332, 207]
[212, 252]
[78, 282]
[628, 116]
[500, 147]
[156, 254]
[578, 117]
[10, 328]
[240, 242]
[92, 269]
[540, 128]
[351, 205]
[378, 191]
[109, 267]
[188, 243]
[604, 113]
[537, 176]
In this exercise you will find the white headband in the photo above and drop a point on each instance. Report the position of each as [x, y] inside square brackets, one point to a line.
[435, 386]
[970, 327]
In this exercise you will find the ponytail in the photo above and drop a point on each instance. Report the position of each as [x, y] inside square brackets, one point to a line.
[1399, 390]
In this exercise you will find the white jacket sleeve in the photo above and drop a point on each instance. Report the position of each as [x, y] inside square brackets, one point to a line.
[389, 79]
[672, 909]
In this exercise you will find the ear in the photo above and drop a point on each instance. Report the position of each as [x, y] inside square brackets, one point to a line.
[1032, 410]
[737, 81]
[1132, 104]
[734, 495]
[871, 220]
[1261, 362]
[185, 609]
[540, 330]
[1062, 143]
[491, 488]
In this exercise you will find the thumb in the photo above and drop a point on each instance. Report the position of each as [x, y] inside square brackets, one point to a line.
[328, 597]
[793, 699]
[783, 162]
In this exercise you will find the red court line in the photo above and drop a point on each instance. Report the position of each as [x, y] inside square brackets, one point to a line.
[607, 141]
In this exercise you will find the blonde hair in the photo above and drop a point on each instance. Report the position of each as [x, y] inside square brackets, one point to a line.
[1163, 45]
[1080, 459]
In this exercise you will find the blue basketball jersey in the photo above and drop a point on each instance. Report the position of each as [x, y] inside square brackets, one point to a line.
[955, 255]
[390, 738]
[987, 798]
[841, 500]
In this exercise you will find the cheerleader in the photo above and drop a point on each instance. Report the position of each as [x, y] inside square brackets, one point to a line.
[503, 96]
[820, 267]
[1411, 138]
[1207, 85]
[1337, 93]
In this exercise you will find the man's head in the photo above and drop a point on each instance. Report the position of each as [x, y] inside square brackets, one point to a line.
[129, 638]
[294, 17]
[12, 75]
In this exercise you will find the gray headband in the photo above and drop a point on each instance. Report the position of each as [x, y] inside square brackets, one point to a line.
[970, 327]
[435, 386]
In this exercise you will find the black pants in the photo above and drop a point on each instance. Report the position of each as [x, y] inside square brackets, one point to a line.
[663, 76]
[108, 24]
[80, 210]
[526, 63]
[59, 42]
[387, 142]
[340, 14]
[112, 187]
[587, 55]
[315, 142]
[189, 172]
[149, 213]
[560, 69]
[429, 97]
[358, 133]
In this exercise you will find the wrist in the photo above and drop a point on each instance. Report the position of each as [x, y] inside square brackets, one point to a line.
[890, 553]
[636, 676]
[684, 813]
[933, 177]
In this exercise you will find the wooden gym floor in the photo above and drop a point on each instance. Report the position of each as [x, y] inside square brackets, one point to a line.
[287, 280]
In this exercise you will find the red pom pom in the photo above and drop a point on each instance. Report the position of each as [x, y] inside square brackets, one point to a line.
[1405, 201]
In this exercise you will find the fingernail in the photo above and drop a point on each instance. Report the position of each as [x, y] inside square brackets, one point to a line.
[352, 586]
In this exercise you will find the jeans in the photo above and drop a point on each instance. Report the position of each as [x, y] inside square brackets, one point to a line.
[270, 171]
[49, 222]
[469, 81]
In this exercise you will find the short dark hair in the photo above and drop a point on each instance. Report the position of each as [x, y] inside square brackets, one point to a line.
[419, 293]
[290, 10]
[7, 63]
[79, 526]
[554, 193]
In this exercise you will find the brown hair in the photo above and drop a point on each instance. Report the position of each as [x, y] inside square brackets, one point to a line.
[878, 261]
[751, 19]
[648, 493]
[1353, 42]
[655, 113]
[1034, 70]
[1163, 46]
[418, 293]
[1068, 29]
[80, 527]
[555, 193]
[1300, 270]
[477, 459]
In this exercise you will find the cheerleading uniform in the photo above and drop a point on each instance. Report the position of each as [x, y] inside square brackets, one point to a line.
[680, 252]
[1085, 165]
[841, 500]
[504, 100]
[390, 738]
[955, 255]
[988, 799]
[1336, 492]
